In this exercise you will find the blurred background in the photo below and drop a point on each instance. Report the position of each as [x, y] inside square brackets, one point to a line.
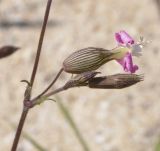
[108, 120]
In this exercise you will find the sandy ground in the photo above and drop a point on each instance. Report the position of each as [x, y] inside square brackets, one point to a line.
[109, 120]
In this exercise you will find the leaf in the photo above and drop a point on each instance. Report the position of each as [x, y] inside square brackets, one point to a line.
[67, 115]
[157, 146]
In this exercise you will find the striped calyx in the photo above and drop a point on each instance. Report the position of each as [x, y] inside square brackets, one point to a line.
[117, 81]
[87, 59]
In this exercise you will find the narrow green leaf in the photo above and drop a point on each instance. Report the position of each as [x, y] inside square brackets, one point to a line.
[72, 124]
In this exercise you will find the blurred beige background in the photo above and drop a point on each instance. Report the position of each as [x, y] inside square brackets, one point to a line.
[109, 120]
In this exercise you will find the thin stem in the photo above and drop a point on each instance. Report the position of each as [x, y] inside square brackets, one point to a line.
[19, 129]
[35, 100]
[55, 79]
[34, 71]
[40, 42]
[54, 92]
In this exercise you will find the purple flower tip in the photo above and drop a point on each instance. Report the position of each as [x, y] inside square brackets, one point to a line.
[127, 63]
[123, 38]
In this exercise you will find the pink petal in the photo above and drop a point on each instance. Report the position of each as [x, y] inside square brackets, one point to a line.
[123, 38]
[121, 62]
[127, 64]
[118, 38]
[129, 67]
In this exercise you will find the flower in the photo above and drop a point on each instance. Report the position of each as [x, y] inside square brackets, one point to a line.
[128, 48]
[127, 63]
[124, 38]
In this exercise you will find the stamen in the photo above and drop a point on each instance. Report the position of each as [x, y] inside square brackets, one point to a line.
[137, 47]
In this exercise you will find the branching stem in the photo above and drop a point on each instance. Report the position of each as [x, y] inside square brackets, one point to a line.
[34, 71]
[52, 83]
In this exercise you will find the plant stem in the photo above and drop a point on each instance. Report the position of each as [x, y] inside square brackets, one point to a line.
[54, 92]
[34, 71]
[35, 100]
[55, 79]
[40, 43]
[19, 129]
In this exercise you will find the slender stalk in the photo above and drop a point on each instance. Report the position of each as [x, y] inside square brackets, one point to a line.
[55, 79]
[40, 42]
[60, 90]
[35, 101]
[34, 71]
[54, 92]
[19, 129]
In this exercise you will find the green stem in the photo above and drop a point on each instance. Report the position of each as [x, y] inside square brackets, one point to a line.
[73, 125]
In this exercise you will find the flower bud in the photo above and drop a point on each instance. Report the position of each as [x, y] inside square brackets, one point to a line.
[117, 81]
[87, 59]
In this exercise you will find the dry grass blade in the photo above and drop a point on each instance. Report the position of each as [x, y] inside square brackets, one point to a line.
[72, 124]
[157, 146]
[158, 6]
